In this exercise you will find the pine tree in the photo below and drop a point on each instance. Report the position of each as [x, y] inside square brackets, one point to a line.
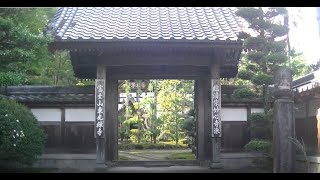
[264, 51]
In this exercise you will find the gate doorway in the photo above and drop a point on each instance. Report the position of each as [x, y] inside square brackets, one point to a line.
[205, 88]
[156, 120]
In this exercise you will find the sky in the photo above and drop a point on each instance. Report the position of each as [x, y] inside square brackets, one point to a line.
[305, 38]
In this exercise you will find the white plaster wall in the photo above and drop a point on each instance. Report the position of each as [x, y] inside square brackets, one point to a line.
[257, 110]
[233, 114]
[47, 114]
[80, 114]
[120, 106]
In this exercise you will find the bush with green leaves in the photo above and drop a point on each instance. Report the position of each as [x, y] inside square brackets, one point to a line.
[245, 74]
[11, 79]
[262, 79]
[188, 127]
[243, 92]
[21, 138]
[256, 145]
[261, 146]
[260, 126]
[257, 117]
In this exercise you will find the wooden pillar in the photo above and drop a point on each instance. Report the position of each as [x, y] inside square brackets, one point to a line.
[111, 122]
[99, 124]
[63, 126]
[248, 134]
[195, 100]
[216, 132]
[207, 119]
[318, 131]
[284, 123]
[318, 124]
[200, 116]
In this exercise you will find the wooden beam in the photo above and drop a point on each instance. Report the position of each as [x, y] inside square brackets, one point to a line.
[89, 71]
[157, 72]
[153, 59]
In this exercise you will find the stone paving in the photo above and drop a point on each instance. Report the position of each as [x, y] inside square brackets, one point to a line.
[170, 169]
[147, 155]
[147, 161]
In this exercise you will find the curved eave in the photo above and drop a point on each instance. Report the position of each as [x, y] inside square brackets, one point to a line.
[70, 44]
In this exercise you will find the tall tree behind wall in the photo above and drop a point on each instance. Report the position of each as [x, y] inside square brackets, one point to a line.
[266, 50]
[19, 45]
[24, 48]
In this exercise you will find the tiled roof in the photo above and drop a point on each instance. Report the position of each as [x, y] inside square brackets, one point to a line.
[51, 94]
[146, 23]
[84, 95]
[53, 98]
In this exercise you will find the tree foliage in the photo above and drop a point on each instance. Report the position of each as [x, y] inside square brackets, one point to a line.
[265, 52]
[23, 48]
[244, 92]
[298, 65]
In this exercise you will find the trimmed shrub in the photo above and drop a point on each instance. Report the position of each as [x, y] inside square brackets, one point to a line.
[21, 137]
[243, 93]
[256, 145]
[260, 126]
[255, 117]
[245, 74]
[264, 147]
[262, 79]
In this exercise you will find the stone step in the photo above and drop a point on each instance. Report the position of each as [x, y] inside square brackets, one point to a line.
[157, 163]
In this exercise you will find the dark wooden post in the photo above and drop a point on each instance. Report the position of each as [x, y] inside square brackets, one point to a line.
[318, 130]
[248, 134]
[216, 115]
[284, 123]
[111, 122]
[63, 126]
[195, 139]
[207, 120]
[200, 95]
[99, 124]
